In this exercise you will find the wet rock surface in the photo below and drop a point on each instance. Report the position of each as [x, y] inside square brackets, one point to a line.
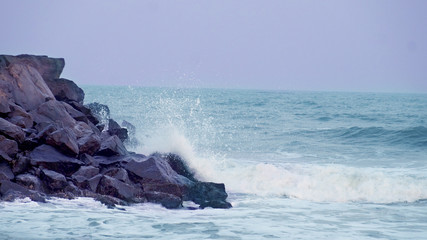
[52, 145]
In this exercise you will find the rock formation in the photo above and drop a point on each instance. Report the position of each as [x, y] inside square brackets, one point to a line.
[51, 145]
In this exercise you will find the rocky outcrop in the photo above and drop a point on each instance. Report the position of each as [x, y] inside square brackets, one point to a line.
[51, 144]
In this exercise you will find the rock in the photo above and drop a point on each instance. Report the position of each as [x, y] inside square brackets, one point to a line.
[4, 102]
[5, 172]
[119, 174]
[112, 146]
[100, 111]
[49, 158]
[113, 187]
[49, 68]
[65, 90]
[86, 111]
[53, 180]
[110, 201]
[115, 129]
[53, 112]
[28, 88]
[4, 157]
[8, 146]
[208, 194]
[10, 191]
[130, 127]
[20, 164]
[64, 140]
[77, 115]
[216, 204]
[93, 182]
[154, 169]
[179, 166]
[166, 200]
[88, 141]
[11, 131]
[31, 182]
[86, 172]
[20, 117]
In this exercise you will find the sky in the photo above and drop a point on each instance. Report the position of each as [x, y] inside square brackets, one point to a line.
[328, 45]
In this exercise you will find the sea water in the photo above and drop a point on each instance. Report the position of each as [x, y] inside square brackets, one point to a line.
[296, 165]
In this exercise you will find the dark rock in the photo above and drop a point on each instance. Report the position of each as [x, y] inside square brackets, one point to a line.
[168, 188]
[77, 115]
[49, 68]
[65, 90]
[216, 204]
[110, 201]
[72, 191]
[155, 169]
[53, 180]
[113, 187]
[20, 117]
[115, 129]
[48, 157]
[88, 160]
[5, 172]
[112, 146]
[89, 144]
[4, 157]
[119, 174]
[100, 111]
[205, 193]
[86, 172]
[93, 182]
[31, 182]
[179, 166]
[20, 164]
[130, 127]
[169, 201]
[8, 146]
[53, 111]
[25, 85]
[10, 191]
[65, 140]
[86, 111]
[4, 102]
[11, 131]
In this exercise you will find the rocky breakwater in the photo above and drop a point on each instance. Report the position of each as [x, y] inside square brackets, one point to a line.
[52, 145]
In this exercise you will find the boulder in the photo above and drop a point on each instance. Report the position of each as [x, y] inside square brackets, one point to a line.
[116, 188]
[50, 158]
[20, 164]
[5, 172]
[180, 166]
[100, 111]
[74, 113]
[118, 173]
[112, 146]
[208, 194]
[88, 141]
[4, 102]
[53, 111]
[10, 191]
[86, 172]
[31, 182]
[28, 88]
[11, 131]
[64, 140]
[8, 146]
[115, 129]
[85, 110]
[169, 201]
[65, 90]
[53, 180]
[20, 117]
[154, 169]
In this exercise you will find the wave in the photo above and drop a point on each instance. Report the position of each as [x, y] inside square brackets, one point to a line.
[413, 136]
[320, 183]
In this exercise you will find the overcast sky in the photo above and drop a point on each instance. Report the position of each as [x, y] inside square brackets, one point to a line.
[360, 45]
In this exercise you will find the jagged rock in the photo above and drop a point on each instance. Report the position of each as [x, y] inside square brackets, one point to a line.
[179, 166]
[155, 169]
[20, 164]
[130, 127]
[89, 160]
[65, 140]
[86, 111]
[10, 191]
[100, 111]
[8, 146]
[110, 201]
[65, 90]
[86, 172]
[12, 131]
[49, 158]
[5, 172]
[31, 182]
[53, 180]
[119, 174]
[53, 111]
[208, 194]
[4, 102]
[88, 141]
[27, 86]
[49, 68]
[74, 113]
[113, 187]
[4, 157]
[166, 200]
[112, 146]
[20, 117]
[115, 129]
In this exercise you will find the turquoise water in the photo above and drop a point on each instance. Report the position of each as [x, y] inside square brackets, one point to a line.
[297, 165]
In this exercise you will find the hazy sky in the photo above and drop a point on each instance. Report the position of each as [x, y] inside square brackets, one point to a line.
[360, 45]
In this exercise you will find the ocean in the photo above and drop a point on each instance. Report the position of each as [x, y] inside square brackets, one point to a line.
[296, 165]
